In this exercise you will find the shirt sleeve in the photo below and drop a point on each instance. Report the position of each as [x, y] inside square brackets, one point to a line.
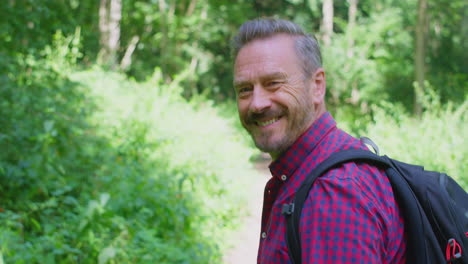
[348, 218]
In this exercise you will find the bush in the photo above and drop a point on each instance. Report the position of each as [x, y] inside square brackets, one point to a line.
[99, 169]
[198, 152]
[437, 140]
[49, 155]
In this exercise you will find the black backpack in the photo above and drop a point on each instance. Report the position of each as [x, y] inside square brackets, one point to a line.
[434, 207]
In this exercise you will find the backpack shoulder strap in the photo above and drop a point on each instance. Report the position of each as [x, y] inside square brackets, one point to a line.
[293, 211]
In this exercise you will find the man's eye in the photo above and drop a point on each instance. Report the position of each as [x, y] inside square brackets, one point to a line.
[273, 83]
[244, 89]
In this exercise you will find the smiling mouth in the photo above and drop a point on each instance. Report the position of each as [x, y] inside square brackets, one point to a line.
[267, 122]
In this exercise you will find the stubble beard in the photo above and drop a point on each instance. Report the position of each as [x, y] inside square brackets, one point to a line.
[270, 143]
[265, 142]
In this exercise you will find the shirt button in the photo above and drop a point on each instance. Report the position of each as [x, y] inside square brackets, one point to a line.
[284, 177]
[263, 235]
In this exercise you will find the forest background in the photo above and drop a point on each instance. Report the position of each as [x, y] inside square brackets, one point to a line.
[119, 139]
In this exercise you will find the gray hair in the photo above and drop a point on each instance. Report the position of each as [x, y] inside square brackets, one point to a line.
[307, 47]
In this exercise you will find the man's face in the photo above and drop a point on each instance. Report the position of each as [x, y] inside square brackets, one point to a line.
[274, 98]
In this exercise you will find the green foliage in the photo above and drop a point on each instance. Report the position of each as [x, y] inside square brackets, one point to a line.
[193, 36]
[374, 60]
[44, 137]
[27, 26]
[437, 141]
[447, 44]
[358, 73]
[99, 169]
[95, 167]
[178, 36]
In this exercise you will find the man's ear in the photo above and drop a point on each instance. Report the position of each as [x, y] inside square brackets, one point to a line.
[319, 86]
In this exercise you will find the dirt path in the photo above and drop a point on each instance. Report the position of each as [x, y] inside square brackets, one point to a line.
[246, 238]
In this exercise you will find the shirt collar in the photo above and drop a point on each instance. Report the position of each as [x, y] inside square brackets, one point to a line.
[292, 158]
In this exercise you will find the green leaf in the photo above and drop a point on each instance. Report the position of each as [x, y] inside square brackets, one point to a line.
[106, 254]
[49, 125]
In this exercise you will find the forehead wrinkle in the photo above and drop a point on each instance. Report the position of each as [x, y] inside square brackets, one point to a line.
[263, 77]
[257, 70]
[263, 60]
[274, 75]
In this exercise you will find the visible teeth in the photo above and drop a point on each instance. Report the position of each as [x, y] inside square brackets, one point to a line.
[266, 123]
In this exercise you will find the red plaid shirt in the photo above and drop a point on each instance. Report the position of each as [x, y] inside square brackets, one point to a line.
[350, 215]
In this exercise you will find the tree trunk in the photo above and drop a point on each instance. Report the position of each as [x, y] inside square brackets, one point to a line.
[352, 12]
[110, 14]
[327, 22]
[103, 31]
[127, 58]
[164, 42]
[420, 54]
[191, 7]
[114, 30]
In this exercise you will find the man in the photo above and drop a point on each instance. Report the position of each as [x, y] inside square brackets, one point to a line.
[350, 215]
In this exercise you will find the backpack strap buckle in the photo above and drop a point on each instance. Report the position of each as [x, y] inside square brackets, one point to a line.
[453, 251]
[369, 142]
[288, 209]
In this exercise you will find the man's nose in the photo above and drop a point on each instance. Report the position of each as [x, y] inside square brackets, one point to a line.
[260, 100]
